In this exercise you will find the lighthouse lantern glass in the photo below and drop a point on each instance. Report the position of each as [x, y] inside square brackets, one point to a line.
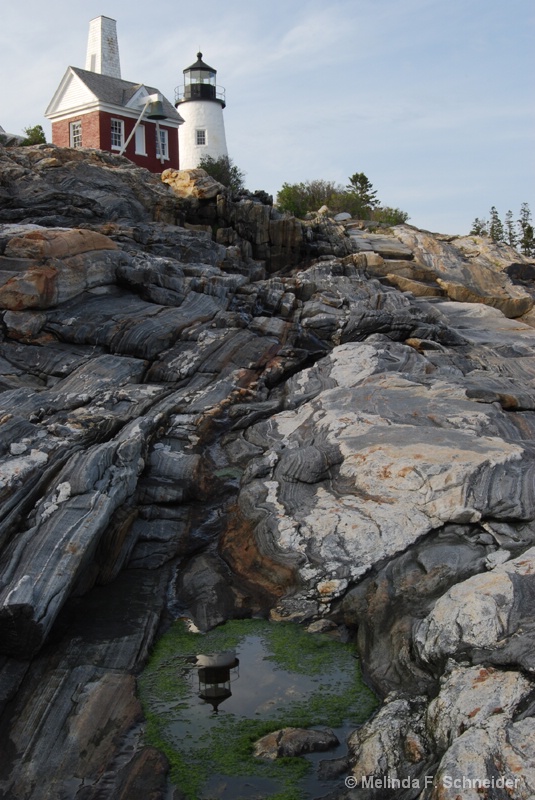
[200, 76]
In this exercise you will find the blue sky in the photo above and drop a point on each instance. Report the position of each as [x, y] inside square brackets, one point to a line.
[434, 100]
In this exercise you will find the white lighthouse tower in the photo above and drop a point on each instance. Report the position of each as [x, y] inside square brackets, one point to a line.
[201, 104]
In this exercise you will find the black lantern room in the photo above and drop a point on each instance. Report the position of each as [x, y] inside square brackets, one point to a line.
[200, 84]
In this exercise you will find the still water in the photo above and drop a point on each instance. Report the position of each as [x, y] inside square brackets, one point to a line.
[209, 697]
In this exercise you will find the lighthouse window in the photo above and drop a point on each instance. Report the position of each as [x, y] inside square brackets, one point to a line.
[117, 134]
[75, 134]
[201, 136]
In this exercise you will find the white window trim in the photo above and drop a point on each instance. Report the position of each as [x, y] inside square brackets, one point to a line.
[75, 131]
[121, 123]
[165, 133]
[197, 132]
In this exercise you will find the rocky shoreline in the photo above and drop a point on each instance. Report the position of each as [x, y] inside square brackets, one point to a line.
[207, 407]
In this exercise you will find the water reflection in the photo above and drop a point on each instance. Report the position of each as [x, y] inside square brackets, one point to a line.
[216, 672]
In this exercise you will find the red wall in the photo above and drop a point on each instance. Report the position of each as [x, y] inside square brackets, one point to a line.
[96, 132]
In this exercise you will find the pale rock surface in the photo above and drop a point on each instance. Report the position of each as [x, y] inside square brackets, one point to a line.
[482, 613]
[469, 269]
[192, 183]
[469, 696]
[490, 752]
[383, 471]
[393, 745]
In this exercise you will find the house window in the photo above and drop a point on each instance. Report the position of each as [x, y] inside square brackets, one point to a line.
[117, 134]
[162, 143]
[201, 136]
[141, 149]
[75, 134]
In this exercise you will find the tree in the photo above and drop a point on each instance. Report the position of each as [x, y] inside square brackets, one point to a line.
[224, 170]
[527, 241]
[521, 238]
[496, 231]
[34, 135]
[479, 227]
[292, 197]
[510, 233]
[363, 189]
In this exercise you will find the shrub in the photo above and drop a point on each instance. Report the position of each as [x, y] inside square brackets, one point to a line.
[224, 170]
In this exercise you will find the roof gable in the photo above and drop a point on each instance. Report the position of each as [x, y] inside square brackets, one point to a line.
[72, 93]
[136, 100]
[81, 87]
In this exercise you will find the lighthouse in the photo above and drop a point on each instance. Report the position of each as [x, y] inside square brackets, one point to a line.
[201, 104]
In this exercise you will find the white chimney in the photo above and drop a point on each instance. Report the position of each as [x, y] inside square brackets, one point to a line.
[103, 47]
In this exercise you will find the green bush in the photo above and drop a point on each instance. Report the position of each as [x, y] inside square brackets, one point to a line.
[35, 135]
[224, 170]
[358, 198]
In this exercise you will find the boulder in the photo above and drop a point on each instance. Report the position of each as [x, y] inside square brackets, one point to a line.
[291, 742]
[193, 184]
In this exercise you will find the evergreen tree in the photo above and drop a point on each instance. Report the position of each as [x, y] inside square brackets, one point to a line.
[510, 233]
[479, 227]
[527, 242]
[360, 186]
[496, 231]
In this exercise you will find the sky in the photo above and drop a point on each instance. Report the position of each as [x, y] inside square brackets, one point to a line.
[434, 100]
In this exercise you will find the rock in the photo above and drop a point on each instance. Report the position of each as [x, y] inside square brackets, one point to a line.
[205, 587]
[56, 186]
[291, 742]
[192, 183]
[488, 757]
[392, 747]
[43, 243]
[482, 614]
[388, 247]
[469, 697]
[381, 468]
[58, 280]
[184, 429]
[469, 275]
[390, 602]
[82, 695]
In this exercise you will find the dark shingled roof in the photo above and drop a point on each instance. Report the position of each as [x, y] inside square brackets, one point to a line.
[117, 92]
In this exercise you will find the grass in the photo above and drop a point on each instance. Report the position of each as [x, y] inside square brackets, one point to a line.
[225, 747]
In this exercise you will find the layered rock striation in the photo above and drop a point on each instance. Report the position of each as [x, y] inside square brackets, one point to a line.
[209, 408]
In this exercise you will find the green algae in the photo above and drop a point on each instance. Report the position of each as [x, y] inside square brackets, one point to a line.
[296, 679]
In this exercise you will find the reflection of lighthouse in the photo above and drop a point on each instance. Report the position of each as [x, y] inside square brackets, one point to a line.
[216, 672]
[201, 107]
